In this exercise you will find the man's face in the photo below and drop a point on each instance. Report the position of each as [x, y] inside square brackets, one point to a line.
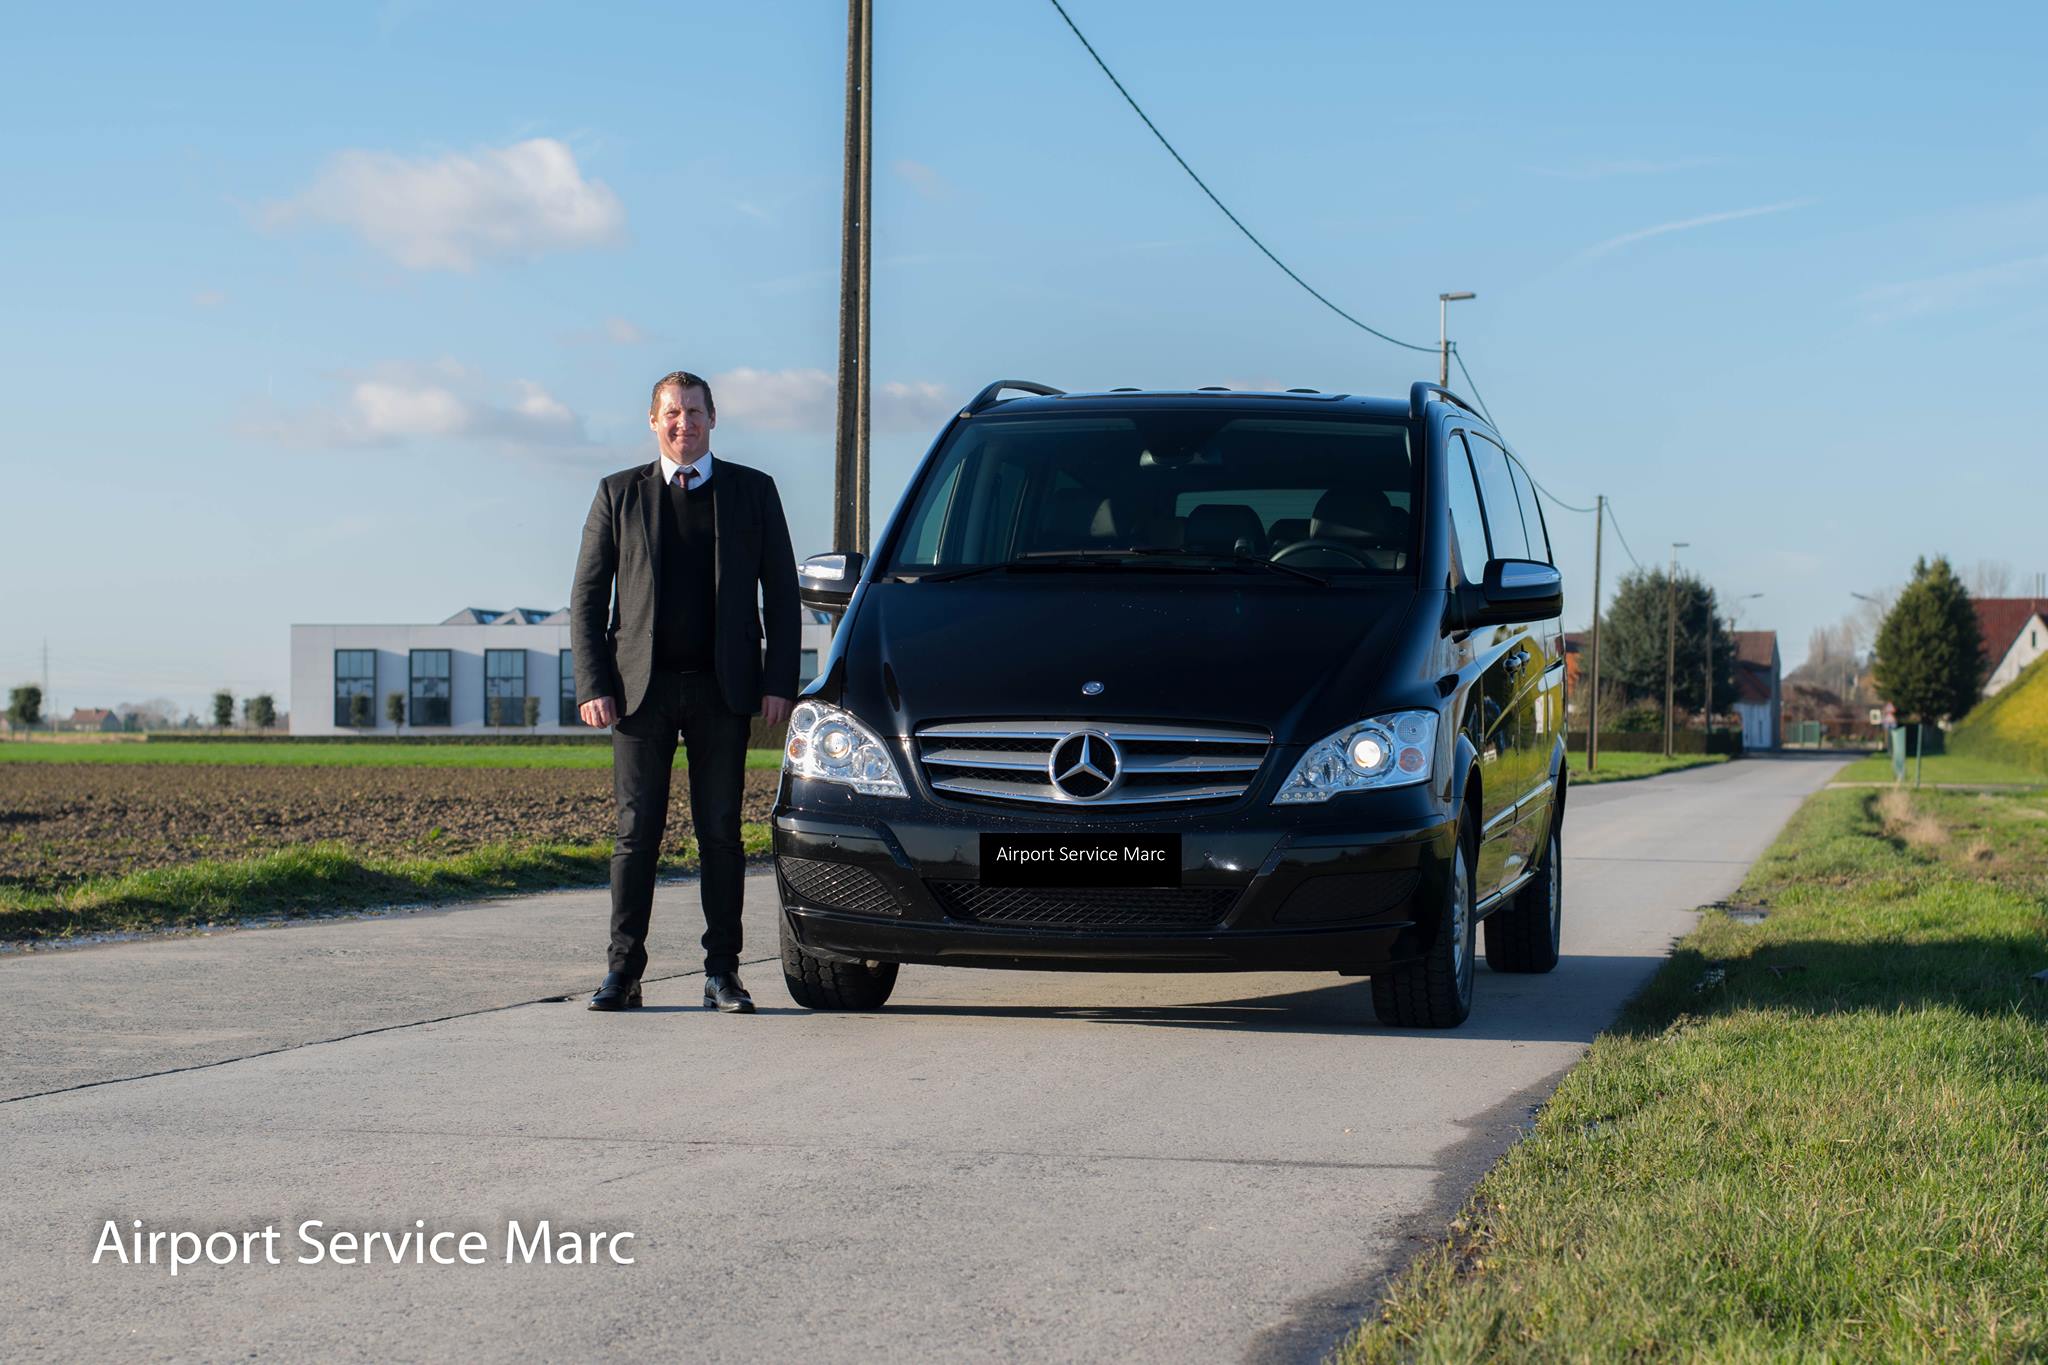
[682, 424]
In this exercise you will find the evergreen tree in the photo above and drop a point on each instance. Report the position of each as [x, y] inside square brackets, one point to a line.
[223, 709]
[394, 710]
[25, 706]
[260, 711]
[1633, 640]
[1930, 651]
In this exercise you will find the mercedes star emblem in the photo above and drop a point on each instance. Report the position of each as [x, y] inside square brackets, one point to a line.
[1091, 689]
[1085, 765]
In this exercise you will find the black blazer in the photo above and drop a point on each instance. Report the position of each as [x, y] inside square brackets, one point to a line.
[612, 632]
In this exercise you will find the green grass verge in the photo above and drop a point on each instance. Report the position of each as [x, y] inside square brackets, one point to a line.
[2011, 727]
[1620, 766]
[312, 880]
[337, 755]
[1941, 768]
[1819, 1138]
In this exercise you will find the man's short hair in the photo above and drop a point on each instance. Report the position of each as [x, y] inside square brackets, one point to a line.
[680, 379]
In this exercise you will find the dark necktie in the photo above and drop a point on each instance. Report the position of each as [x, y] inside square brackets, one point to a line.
[687, 479]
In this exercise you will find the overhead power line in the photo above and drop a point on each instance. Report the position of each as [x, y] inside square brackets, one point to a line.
[1569, 507]
[1235, 221]
[1471, 383]
[1616, 523]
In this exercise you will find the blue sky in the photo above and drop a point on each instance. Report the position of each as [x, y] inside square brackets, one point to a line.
[336, 313]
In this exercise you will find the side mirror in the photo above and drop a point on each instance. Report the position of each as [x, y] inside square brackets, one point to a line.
[826, 582]
[1514, 590]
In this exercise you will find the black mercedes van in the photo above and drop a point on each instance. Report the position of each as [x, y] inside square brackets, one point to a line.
[1183, 681]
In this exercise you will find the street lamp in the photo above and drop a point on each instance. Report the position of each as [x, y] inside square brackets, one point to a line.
[1671, 638]
[1443, 334]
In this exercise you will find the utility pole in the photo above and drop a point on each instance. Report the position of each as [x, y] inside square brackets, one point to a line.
[1443, 333]
[850, 455]
[1593, 715]
[49, 707]
[1671, 640]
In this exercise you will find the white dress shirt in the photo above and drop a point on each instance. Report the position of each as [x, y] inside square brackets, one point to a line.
[671, 471]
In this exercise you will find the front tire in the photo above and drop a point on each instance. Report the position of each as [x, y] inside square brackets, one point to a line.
[821, 983]
[1436, 991]
[1527, 934]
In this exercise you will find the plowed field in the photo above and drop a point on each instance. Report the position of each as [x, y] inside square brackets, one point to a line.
[61, 822]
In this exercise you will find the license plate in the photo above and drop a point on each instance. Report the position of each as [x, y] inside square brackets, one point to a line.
[1080, 860]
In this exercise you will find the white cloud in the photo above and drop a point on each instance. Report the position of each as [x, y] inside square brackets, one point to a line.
[449, 212]
[806, 400]
[923, 179]
[1688, 224]
[400, 404]
[1957, 289]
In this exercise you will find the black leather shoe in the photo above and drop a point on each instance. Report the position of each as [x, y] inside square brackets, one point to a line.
[618, 992]
[724, 992]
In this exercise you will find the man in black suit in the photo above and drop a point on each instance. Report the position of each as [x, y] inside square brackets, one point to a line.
[667, 642]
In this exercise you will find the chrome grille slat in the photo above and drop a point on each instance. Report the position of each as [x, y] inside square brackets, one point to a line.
[1005, 761]
[983, 758]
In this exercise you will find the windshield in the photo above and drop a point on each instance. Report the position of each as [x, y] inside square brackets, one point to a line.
[1326, 495]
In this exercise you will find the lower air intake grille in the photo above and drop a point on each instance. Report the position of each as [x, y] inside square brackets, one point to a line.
[838, 886]
[1087, 907]
[1347, 896]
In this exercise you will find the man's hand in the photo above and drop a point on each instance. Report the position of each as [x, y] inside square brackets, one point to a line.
[775, 710]
[600, 713]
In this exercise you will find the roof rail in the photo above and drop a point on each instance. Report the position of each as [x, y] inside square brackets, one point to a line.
[1421, 389]
[989, 396]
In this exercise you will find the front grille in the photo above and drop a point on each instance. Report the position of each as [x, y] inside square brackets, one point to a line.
[1008, 761]
[838, 886]
[1087, 907]
[1347, 896]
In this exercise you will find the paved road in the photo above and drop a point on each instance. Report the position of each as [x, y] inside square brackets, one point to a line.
[997, 1166]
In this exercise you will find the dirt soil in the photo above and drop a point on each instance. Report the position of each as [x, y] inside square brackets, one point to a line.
[60, 822]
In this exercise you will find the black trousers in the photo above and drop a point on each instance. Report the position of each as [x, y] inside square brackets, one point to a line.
[643, 756]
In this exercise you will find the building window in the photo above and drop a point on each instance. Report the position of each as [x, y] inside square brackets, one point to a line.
[504, 687]
[570, 715]
[807, 666]
[429, 687]
[355, 675]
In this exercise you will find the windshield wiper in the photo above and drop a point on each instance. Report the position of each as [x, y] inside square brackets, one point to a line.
[1112, 558]
[1035, 559]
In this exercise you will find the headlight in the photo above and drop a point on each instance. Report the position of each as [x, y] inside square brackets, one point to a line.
[828, 745]
[1386, 751]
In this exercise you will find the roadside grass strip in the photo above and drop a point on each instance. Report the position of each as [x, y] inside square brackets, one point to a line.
[285, 754]
[1821, 1136]
[1964, 769]
[312, 881]
[1622, 767]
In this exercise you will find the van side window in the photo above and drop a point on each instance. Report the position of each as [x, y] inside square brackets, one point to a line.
[1532, 512]
[1497, 494]
[1468, 524]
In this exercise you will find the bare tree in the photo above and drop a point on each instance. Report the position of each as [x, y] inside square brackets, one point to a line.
[1990, 578]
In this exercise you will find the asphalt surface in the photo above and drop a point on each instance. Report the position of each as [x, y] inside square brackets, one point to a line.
[996, 1166]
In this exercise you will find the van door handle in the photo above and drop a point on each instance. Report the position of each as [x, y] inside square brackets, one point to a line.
[1515, 662]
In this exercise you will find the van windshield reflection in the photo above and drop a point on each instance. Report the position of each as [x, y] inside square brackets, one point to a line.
[1308, 498]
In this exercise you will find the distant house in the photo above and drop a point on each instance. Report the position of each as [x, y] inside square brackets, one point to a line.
[454, 676]
[2015, 631]
[1759, 688]
[95, 718]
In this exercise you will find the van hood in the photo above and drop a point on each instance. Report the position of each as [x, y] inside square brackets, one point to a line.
[1299, 661]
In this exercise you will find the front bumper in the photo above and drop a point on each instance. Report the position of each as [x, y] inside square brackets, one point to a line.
[1352, 890]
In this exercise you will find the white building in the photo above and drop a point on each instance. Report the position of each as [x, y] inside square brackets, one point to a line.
[448, 676]
[1759, 688]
